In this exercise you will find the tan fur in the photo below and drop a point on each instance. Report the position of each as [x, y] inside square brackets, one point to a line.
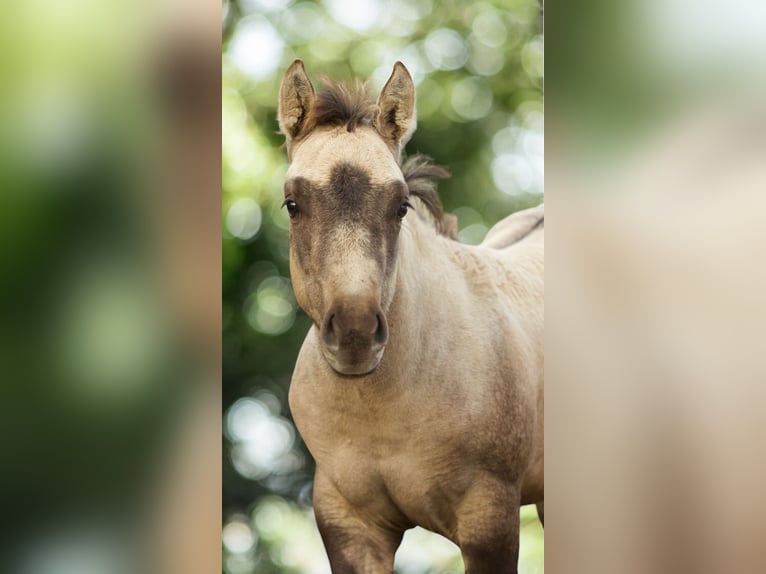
[325, 147]
[445, 430]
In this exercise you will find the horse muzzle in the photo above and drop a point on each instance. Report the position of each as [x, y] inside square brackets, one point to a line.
[354, 336]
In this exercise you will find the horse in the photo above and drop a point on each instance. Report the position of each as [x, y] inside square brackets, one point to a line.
[418, 389]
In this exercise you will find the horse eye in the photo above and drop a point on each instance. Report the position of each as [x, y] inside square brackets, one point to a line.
[403, 209]
[292, 207]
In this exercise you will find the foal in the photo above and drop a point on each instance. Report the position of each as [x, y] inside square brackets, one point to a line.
[419, 388]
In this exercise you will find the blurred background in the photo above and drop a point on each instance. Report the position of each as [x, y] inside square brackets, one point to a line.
[655, 180]
[109, 287]
[478, 68]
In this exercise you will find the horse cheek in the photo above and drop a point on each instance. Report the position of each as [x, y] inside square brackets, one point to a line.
[301, 284]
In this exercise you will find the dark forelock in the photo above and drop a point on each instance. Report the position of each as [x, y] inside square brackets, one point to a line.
[340, 105]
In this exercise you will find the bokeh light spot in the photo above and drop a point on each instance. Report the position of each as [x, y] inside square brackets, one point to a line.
[238, 537]
[301, 23]
[489, 28]
[446, 49]
[256, 48]
[505, 139]
[271, 310]
[532, 58]
[263, 442]
[485, 60]
[269, 516]
[268, 400]
[359, 15]
[242, 422]
[471, 98]
[244, 218]
[512, 174]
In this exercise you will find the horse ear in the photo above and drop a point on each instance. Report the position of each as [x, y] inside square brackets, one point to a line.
[296, 100]
[396, 119]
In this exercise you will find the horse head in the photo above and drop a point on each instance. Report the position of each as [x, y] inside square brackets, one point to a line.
[346, 197]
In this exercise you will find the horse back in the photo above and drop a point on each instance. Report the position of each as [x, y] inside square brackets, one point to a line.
[525, 225]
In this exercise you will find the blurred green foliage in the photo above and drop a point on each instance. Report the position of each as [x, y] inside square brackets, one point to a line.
[96, 376]
[478, 69]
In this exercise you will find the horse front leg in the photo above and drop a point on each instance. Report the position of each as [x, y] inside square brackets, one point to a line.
[353, 545]
[488, 528]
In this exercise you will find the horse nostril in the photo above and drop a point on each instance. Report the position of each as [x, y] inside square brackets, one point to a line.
[353, 329]
[329, 332]
[381, 333]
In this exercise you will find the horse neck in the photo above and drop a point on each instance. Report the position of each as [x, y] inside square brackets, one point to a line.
[426, 281]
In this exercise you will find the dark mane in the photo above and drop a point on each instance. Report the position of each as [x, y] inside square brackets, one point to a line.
[422, 175]
[339, 105]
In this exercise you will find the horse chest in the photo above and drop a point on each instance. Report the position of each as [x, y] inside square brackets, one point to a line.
[395, 455]
[360, 429]
[417, 479]
[346, 425]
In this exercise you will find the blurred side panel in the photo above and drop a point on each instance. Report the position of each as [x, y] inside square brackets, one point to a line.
[110, 286]
[656, 173]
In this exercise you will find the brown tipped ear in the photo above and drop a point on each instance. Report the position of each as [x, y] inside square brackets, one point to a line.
[396, 117]
[296, 100]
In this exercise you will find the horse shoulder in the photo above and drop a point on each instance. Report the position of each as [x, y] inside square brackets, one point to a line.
[305, 394]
